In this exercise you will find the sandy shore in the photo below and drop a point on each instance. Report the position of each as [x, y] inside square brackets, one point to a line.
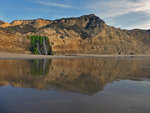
[6, 55]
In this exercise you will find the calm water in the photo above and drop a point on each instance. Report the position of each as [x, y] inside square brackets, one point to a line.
[104, 85]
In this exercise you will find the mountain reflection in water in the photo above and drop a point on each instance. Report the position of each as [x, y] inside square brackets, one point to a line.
[86, 76]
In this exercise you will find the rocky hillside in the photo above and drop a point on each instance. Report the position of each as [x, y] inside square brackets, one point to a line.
[85, 34]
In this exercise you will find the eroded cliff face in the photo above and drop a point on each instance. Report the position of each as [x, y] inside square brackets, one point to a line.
[85, 34]
[14, 42]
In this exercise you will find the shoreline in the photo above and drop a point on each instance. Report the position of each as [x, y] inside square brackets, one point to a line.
[7, 56]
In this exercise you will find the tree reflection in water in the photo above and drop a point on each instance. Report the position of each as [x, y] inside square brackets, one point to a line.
[40, 67]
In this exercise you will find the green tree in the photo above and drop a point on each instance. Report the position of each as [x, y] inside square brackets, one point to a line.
[37, 46]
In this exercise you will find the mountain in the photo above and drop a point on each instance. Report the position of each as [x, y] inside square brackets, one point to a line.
[85, 34]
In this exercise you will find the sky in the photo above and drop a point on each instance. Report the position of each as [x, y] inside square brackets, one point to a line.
[124, 14]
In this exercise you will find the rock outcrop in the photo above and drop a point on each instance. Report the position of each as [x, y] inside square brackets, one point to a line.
[4, 24]
[85, 34]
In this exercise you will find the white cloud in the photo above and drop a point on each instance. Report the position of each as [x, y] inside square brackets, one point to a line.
[133, 13]
[143, 26]
[54, 4]
[50, 3]
[116, 8]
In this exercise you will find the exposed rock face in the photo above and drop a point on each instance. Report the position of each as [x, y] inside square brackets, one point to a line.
[1, 22]
[14, 42]
[35, 23]
[85, 34]
[4, 24]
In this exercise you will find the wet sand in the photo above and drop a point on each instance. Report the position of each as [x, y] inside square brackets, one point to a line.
[6, 55]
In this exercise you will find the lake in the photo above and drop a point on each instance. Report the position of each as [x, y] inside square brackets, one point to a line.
[86, 85]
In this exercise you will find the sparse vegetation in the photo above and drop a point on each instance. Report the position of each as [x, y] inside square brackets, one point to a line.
[62, 37]
[24, 29]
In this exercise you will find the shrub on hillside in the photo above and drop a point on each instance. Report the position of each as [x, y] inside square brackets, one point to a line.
[40, 45]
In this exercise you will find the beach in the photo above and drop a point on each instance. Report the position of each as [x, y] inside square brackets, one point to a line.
[7, 55]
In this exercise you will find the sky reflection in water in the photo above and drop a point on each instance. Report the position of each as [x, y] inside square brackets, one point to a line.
[107, 85]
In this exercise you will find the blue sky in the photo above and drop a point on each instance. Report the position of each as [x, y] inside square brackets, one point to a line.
[125, 14]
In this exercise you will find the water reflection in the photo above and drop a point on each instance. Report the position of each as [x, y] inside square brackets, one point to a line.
[87, 76]
[40, 67]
